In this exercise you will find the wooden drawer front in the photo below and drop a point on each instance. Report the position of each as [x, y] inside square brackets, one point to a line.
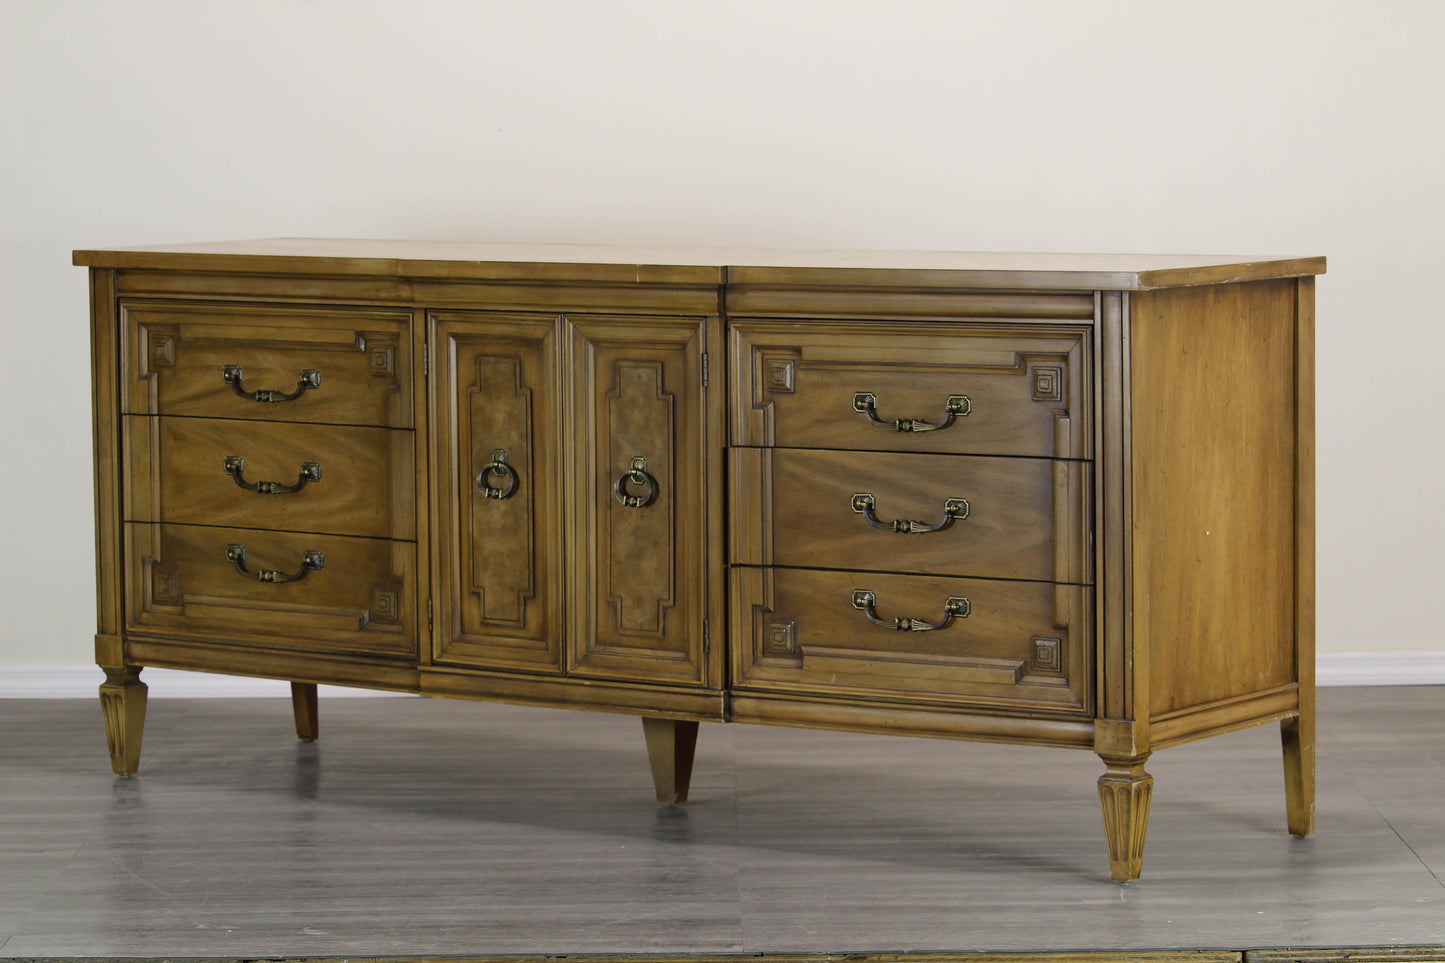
[181, 583]
[1021, 643]
[1020, 518]
[1019, 391]
[353, 480]
[497, 425]
[179, 358]
[641, 568]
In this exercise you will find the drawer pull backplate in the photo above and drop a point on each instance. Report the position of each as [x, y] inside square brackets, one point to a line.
[234, 465]
[232, 374]
[953, 607]
[864, 503]
[236, 555]
[955, 406]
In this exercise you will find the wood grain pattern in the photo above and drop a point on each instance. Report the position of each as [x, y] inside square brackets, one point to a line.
[1298, 734]
[1214, 490]
[640, 586]
[362, 600]
[496, 387]
[1016, 382]
[994, 656]
[106, 431]
[1015, 508]
[175, 354]
[176, 474]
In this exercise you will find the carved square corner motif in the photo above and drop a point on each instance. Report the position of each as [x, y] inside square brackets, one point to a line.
[383, 361]
[162, 350]
[385, 604]
[1049, 382]
[780, 637]
[778, 374]
[1048, 655]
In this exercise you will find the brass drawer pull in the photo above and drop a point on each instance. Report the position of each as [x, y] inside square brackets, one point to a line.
[864, 503]
[638, 476]
[236, 555]
[498, 466]
[955, 406]
[232, 374]
[953, 607]
[234, 465]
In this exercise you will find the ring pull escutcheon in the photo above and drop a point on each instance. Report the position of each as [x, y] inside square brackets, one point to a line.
[499, 465]
[636, 475]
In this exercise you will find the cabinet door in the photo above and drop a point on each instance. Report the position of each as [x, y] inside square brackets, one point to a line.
[498, 500]
[640, 498]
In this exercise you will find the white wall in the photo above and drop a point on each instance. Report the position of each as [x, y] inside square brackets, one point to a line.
[1309, 127]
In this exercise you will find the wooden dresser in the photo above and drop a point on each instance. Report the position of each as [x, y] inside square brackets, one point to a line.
[1060, 500]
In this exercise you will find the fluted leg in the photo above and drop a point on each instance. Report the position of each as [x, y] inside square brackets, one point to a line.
[670, 747]
[303, 705]
[1124, 793]
[1299, 773]
[123, 708]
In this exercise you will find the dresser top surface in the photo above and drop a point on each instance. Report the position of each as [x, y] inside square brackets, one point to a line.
[577, 263]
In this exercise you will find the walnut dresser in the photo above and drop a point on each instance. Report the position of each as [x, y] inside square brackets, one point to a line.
[1060, 500]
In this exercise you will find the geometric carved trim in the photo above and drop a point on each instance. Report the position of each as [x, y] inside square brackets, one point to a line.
[1049, 382]
[1048, 655]
[165, 586]
[780, 637]
[382, 361]
[385, 603]
[1124, 797]
[778, 375]
[163, 350]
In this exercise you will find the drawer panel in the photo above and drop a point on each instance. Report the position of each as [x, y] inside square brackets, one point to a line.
[1010, 644]
[965, 388]
[352, 480]
[264, 363]
[1014, 518]
[362, 598]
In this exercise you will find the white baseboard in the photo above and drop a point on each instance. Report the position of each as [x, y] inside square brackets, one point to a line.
[80, 681]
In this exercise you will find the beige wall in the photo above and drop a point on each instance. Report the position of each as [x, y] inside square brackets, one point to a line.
[1308, 127]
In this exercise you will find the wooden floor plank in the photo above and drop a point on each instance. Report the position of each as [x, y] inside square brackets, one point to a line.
[435, 827]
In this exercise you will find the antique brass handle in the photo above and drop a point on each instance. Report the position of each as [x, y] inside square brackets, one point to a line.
[236, 555]
[498, 466]
[954, 607]
[234, 465]
[955, 406]
[232, 374]
[864, 503]
[637, 475]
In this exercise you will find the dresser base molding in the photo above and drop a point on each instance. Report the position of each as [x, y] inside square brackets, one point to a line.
[1019, 498]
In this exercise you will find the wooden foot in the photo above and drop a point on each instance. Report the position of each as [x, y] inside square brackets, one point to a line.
[1124, 792]
[670, 747]
[303, 704]
[1299, 773]
[123, 707]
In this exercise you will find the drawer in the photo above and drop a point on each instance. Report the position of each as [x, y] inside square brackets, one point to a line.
[272, 589]
[1014, 518]
[344, 480]
[1006, 643]
[962, 388]
[263, 363]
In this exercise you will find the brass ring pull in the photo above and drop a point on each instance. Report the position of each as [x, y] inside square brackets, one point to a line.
[954, 607]
[236, 555]
[232, 374]
[234, 465]
[864, 503]
[498, 466]
[955, 406]
[638, 476]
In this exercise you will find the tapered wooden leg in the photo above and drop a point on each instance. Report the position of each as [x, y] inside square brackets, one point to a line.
[123, 707]
[1124, 793]
[670, 747]
[1299, 773]
[303, 704]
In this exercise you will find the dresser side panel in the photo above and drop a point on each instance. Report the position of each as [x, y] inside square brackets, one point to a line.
[1213, 473]
[105, 407]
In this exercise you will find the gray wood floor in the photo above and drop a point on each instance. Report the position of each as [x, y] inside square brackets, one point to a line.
[436, 827]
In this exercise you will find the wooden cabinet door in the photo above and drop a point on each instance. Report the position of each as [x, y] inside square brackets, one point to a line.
[497, 438]
[640, 499]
